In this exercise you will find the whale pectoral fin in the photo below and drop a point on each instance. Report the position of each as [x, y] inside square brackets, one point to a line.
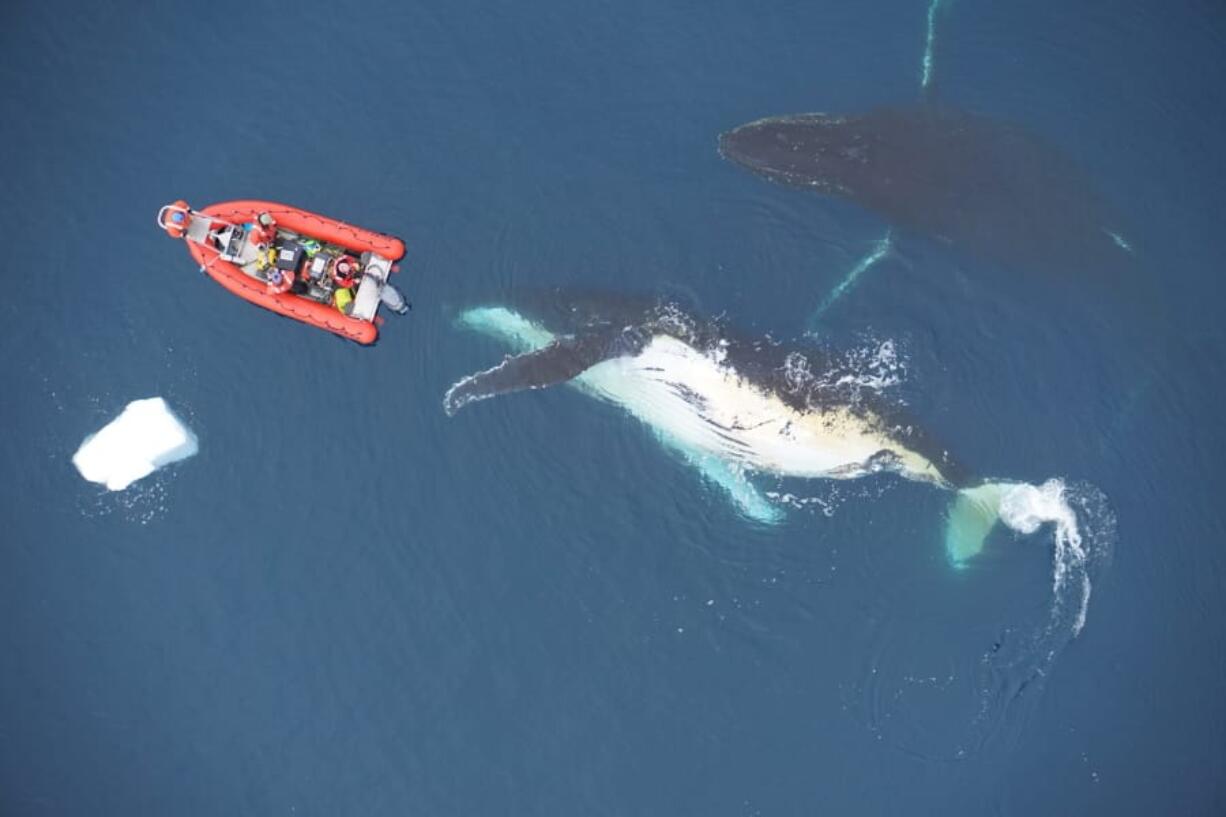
[560, 361]
[749, 501]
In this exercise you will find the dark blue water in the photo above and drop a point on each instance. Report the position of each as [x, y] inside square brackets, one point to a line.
[348, 603]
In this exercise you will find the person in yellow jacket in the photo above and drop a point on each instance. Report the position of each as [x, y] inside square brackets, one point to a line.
[342, 299]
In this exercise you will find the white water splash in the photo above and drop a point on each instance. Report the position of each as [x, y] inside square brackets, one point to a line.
[1025, 508]
[876, 367]
[826, 505]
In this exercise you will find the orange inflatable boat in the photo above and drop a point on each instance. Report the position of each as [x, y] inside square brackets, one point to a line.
[294, 262]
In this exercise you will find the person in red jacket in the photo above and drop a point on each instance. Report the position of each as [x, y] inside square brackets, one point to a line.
[263, 230]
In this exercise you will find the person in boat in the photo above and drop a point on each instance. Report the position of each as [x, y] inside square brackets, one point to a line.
[279, 280]
[263, 230]
[344, 272]
[344, 275]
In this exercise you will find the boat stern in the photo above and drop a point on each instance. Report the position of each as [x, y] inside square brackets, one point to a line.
[366, 300]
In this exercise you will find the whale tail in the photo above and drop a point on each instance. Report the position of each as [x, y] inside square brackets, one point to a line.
[972, 516]
[1081, 521]
[1024, 508]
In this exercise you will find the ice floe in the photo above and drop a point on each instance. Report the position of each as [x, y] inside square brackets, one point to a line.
[144, 437]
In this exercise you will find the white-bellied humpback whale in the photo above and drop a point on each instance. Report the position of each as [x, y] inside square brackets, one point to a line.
[733, 408]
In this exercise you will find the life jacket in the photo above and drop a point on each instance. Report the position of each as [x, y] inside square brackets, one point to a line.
[343, 300]
[267, 259]
[263, 230]
[258, 236]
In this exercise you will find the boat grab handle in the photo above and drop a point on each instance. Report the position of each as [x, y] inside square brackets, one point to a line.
[171, 208]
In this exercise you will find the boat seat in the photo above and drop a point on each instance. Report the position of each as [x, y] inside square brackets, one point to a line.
[198, 229]
[366, 301]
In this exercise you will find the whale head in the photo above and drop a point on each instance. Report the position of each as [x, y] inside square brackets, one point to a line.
[813, 150]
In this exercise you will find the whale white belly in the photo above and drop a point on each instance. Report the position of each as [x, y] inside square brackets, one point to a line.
[720, 422]
[705, 405]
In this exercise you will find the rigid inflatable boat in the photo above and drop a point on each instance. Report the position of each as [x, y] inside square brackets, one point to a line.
[294, 262]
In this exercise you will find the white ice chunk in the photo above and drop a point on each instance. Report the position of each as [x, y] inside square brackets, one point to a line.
[144, 437]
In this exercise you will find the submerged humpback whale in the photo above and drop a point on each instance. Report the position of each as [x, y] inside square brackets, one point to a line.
[992, 189]
[731, 407]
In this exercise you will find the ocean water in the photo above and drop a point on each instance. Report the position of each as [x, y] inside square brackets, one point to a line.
[349, 603]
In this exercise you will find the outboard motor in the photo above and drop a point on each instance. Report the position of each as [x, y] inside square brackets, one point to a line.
[393, 300]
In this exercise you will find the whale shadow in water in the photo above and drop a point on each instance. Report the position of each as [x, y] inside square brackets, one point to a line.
[990, 189]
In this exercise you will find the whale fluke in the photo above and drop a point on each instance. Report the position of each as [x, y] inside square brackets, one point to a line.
[972, 516]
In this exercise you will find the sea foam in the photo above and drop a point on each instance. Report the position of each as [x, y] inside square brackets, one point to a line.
[144, 437]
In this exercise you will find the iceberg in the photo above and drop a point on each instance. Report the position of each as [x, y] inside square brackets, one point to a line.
[144, 437]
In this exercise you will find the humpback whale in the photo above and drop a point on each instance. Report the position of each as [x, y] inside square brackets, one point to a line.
[989, 188]
[731, 407]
